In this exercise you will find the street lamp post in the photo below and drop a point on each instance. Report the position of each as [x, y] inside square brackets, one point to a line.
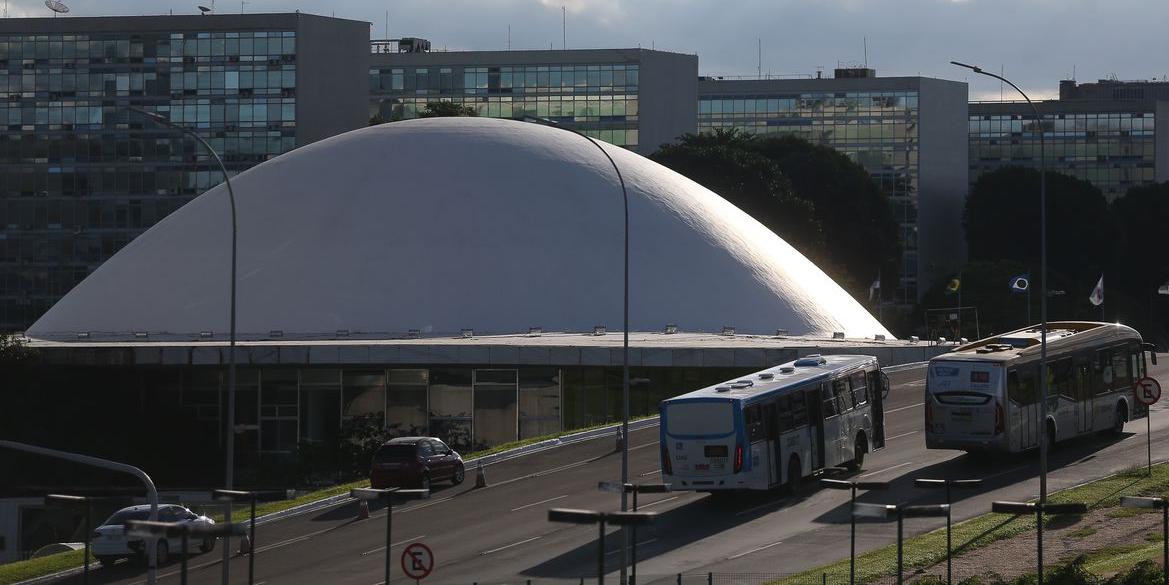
[155, 529]
[387, 494]
[1163, 505]
[948, 485]
[853, 486]
[231, 496]
[84, 503]
[229, 475]
[640, 488]
[1039, 509]
[570, 516]
[901, 512]
[625, 330]
[1043, 446]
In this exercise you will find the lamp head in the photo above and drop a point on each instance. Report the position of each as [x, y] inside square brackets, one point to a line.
[973, 68]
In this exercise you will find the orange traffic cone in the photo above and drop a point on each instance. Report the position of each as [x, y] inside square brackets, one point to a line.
[363, 510]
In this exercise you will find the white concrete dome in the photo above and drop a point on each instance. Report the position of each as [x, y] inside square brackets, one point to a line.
[451, 223]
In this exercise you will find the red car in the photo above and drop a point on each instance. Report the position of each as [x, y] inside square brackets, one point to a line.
[415, 462]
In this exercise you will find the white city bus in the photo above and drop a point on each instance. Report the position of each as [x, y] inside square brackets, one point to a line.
[772, 427]
[985, 396]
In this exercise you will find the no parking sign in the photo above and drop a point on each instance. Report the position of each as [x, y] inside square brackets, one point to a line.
[1147, 391]
[417, 561]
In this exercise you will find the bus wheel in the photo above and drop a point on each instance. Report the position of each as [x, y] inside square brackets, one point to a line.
[859, 454]
[1121, 418]
[795, 475]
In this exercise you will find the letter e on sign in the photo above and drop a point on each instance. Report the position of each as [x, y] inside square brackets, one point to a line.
[417, 561]
[1147, 391]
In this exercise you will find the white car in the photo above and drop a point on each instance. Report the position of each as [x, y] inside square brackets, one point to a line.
[110, 543]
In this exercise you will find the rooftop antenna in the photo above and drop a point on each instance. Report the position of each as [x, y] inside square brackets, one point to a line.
[866, 41]
[202, 9]
[759, 63]
[509, 37]
[242, 3]
[387, 24]
[563, 28]
[56, 6]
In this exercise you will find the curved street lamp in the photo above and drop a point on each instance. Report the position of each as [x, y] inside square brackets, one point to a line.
[1043, 446]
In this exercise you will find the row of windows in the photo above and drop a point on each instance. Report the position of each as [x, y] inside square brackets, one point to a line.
[790, 411]
[248, 114]
[75, 148]
[1080, 377]
[830, 130]
[1064, 149]
[831, 104]
[1058, 127]
[150, 46]
[490, 80]
[1111, 180]
[207, 80]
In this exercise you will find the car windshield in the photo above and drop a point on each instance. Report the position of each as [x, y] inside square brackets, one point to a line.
[395, 452]
[122, 516]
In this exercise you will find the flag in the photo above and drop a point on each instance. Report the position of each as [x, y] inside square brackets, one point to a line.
[1097, 296]
[1020, 283]
[954, 286]
[876, 286]
[1164, 290]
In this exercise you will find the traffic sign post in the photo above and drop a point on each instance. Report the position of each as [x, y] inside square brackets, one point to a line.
[1147, 391]
[417, 561]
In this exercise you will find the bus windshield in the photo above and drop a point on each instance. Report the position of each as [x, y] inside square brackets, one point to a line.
[700, 418]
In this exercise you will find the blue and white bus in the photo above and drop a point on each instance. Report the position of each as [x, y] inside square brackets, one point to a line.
[774, 427]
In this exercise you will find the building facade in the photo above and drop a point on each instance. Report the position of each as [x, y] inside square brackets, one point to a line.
[636, 98]
[1111, 134]
[908, 132]
[81, 175]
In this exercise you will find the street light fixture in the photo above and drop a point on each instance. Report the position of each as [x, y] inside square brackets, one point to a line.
[640, 488]
[154, 529]
[853, 486]
[1160, 504]
[571, 516]
[948, 485]
[84, 503]
[1043, 446]
[231, 496]
[625, 340]
[1039, 509]
[387, 494]
[901, 512]
[229, 476]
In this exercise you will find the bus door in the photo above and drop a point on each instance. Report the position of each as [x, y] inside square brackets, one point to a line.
[877, 389]
[1084, 395]
[815, 405]
[832, 427]
[774, 455]
[759, 419]
[1023, 409]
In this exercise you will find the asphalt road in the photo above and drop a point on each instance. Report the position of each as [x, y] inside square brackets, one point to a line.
[501, 534]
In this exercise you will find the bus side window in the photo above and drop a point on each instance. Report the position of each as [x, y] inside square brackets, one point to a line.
[799, 409]
[769, 420]
[1103, 377]
[860, 394]
[1059, 378]
[783, 407]
[843, 396]
[1136, 358]
[1120, 369]
[1021, 387]
[756, 427]
[828, 399]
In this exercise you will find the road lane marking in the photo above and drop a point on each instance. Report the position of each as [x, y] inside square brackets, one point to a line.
[904, 408]
[643, 446]
[651, 472]
[495, 550]
[760, 507]
[642, 543]
[292, 540]
[899, 465]
[392, 545]
[657, 502]
[902, 435]
[1001, 473]
[754, 550]
[526, 506]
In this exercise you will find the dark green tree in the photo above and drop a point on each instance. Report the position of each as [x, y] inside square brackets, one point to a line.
[724, 162]
[1140, 262]
[1002, 223]
[856, 216]
[445, 110]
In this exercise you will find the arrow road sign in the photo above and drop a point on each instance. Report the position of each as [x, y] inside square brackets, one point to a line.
[1147, 391]
[417, 561]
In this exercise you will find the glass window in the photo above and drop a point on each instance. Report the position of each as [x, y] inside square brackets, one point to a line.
[450, 406]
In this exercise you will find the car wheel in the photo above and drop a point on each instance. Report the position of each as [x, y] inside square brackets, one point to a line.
[1121, 418]
[459, 476]
[425, 482]
[106, 560]
[162, 554]
[859, 451]
[207, 545]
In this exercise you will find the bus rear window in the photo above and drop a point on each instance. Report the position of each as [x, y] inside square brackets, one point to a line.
[699, 418]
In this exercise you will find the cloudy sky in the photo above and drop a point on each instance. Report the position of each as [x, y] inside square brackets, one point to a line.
[1036, 42]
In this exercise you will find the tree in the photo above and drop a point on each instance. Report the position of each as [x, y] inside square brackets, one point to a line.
[724, 162]
[1140, 261]
[1002, 223]
[445, 110]
[861, 233]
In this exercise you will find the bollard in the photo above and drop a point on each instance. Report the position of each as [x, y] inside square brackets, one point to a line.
[245, 544]
[363, 510]
[480, 477]
[620, 442]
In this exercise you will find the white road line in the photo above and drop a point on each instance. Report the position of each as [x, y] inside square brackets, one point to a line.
[902, 435]
[291, 541]
[392, 545]
[899, 465]
[495, 550]
[760, 507]
[643, 446]
[657, 502]
[904, 408]
[651, 472]
[642, 543]
[1011, 470]
[754, 550]
[526, 506]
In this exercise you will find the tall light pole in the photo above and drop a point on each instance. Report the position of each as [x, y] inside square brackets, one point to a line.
[229, 475]
[625, 341]
[1043, 446]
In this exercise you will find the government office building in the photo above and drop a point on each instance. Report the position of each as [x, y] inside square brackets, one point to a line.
[1109, 133]
[909, 133]
[81, 175]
